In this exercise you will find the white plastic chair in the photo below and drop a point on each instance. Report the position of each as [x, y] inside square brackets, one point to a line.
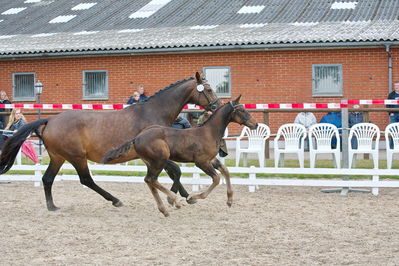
[322, 134]
[225, 135]
[256, 143]
[391, 135]
[366, 134]
[293, 138]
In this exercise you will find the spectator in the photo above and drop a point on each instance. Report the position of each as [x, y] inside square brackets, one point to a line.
[335, 119]
[16, 121]
[140, 90]
[134, 98]
[355, 117]
[306, 119]
[181, 123]
[394, 95]
[3, 100]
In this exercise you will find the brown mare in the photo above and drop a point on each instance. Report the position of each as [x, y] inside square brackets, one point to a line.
[77, 136]
[157, 144]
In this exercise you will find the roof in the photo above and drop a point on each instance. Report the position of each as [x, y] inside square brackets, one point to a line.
[30, 27]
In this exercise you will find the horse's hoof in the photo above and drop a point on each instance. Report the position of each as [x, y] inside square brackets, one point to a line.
[170, 201]
[53, 208]
[229, 203]
[191, 201]
[118, 203]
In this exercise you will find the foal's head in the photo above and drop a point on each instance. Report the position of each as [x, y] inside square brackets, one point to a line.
[242, 116]
[203, 94]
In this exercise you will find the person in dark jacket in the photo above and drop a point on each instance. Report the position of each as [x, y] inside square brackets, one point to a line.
[181, 123]
[3, 100]
[335, 119]
[143, 97]
[394, 95]
[134, 98]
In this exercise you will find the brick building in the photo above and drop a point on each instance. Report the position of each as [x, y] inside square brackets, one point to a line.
[287, 51]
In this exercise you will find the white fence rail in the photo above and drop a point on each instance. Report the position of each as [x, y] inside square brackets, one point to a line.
[252, 181]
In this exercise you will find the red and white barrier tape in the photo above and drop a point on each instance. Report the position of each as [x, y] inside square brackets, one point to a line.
[343, 104]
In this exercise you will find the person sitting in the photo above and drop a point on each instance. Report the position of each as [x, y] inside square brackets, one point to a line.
[335, 119]
[306, 119]
[181, 123]
[16, 121]
[134, 98]
[143, 97]
[3, 100]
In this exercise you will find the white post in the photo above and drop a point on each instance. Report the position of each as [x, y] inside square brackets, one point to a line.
[37, 176]
[196, 178]
[374, 190]
[252, 177]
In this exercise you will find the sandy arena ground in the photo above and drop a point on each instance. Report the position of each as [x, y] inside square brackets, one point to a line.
[274, 226]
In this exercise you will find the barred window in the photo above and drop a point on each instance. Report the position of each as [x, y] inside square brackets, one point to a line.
[95, 84]
[220, 80]
[23, 86]
[327, 80]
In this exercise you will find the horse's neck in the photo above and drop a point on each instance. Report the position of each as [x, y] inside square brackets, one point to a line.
[218, 122]
[165, 105]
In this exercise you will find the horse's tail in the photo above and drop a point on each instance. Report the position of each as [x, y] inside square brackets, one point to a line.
[14, 143]
[118, 152]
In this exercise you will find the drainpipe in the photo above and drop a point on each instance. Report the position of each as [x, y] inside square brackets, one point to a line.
[387, 49]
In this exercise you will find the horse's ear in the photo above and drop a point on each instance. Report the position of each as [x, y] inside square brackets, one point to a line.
[199, 78]
[237, 100]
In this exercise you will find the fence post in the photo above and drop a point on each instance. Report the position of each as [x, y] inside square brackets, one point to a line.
[266, 122]
[252, 177]
[344, 144]
[196, 178]
[37, 176]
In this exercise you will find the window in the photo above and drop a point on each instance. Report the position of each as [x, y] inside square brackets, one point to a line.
[95, 84]
[327, 80]
[219, 79]
[24, 86]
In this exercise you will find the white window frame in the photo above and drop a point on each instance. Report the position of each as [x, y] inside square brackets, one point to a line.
[214, 86]
[103, 96]
[334, 92]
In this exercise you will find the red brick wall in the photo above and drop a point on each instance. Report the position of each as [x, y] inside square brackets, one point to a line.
[261, 76]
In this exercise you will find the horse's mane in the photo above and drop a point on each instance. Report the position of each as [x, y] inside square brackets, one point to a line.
[212, 115]
[177, 83]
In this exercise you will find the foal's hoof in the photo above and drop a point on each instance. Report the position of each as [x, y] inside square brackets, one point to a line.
[229, 203]
[191, 200]
[170, 201]
[118, 203]
[52, 208]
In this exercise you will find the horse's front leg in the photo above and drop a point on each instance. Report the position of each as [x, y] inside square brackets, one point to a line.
[209, 170]
[225, 172]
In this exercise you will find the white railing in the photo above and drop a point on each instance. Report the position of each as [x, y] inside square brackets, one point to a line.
[252, 181]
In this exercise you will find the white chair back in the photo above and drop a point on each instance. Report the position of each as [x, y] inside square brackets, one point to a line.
[392, 132]
[257, 136]
[293, 135]
[365, 134]
[323, 133]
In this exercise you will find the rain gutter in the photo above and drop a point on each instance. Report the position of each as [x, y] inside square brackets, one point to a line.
[202, 49]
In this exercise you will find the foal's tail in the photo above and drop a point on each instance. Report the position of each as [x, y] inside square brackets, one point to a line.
[118, 152]
[14, 143]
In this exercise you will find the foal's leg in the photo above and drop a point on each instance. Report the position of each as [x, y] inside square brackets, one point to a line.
[48, 180]
[86, 179]
[209, 170]
[225, 172]
[173, 170]
[154, 168]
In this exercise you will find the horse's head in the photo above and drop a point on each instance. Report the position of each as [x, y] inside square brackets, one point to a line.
[203, 95]
[242, 116]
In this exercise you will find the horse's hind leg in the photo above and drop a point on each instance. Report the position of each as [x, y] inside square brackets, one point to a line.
[86, 179]
[173, 170]
[48, 180]
[225, 172]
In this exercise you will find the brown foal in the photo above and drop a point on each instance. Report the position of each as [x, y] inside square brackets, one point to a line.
[156, 145]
